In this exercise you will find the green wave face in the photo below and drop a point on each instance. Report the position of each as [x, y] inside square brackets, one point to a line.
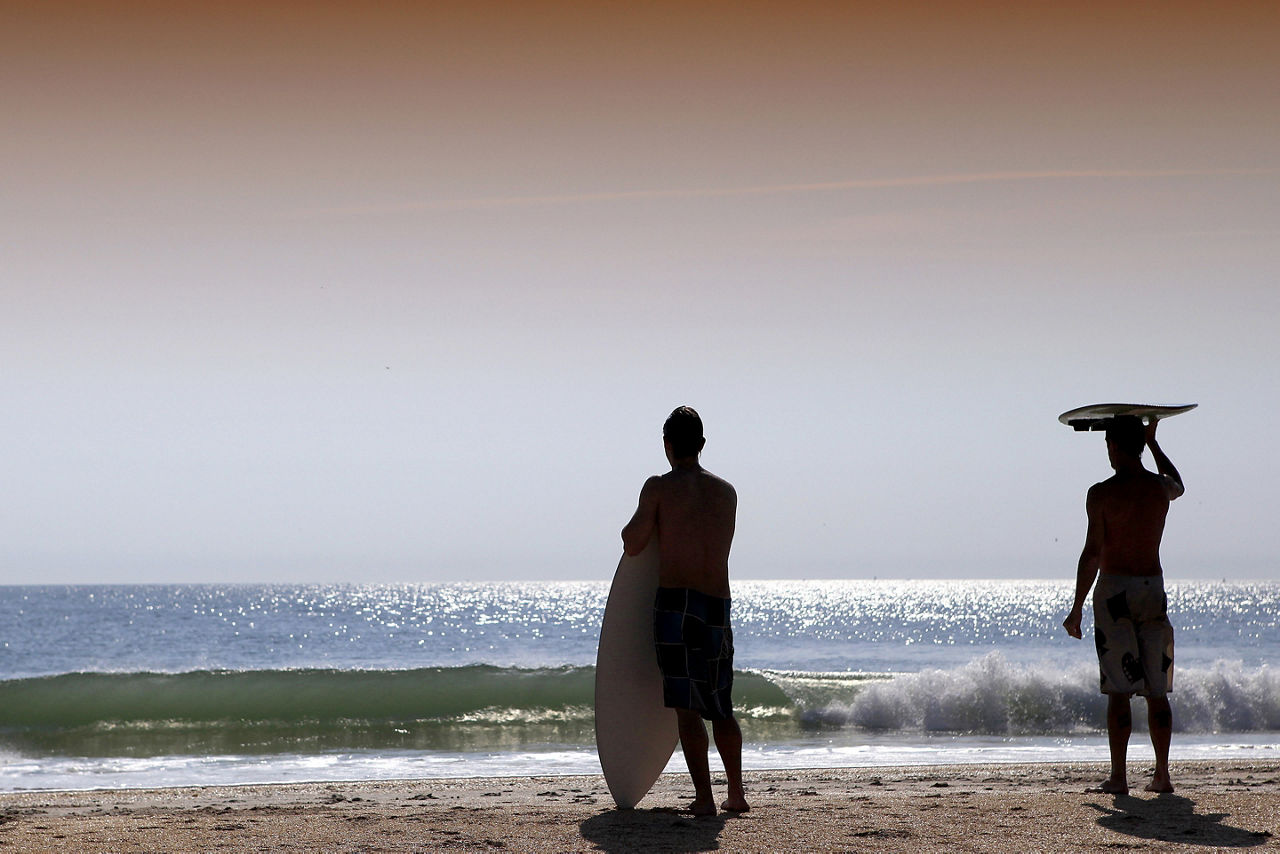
[486, 708]
[220, 712]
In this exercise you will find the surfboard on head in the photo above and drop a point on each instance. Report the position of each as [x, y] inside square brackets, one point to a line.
[1098, 415]
[635, 733]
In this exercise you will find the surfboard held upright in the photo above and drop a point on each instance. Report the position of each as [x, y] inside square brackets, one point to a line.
[635, 733]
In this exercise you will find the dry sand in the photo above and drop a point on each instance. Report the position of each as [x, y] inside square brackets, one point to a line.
[987, 808]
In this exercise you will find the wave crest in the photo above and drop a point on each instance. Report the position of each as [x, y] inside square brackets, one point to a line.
[485, 707]
[991, 696]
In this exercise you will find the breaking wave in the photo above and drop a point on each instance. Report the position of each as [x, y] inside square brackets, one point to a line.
[500, 708]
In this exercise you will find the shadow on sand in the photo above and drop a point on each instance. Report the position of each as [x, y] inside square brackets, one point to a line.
[1173, 818]
[652, 830]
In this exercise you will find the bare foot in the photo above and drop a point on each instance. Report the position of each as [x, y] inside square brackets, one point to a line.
[703, 807]
[1159, 784]
[1115, 787]
[738, 804]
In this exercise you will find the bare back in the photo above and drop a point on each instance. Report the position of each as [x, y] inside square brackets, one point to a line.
[696, 517]
[1130, 509]
[693, 512]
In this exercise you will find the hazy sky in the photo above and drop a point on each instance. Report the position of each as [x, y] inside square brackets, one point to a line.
[353, 291]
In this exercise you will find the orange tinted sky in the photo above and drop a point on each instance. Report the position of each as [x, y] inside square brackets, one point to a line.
[299, 284]
[332, 103]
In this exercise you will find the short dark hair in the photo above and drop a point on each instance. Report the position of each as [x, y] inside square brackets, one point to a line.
[1128, 433]
[683, 429]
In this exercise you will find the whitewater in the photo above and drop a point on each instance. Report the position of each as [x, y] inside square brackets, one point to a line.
[149, 685]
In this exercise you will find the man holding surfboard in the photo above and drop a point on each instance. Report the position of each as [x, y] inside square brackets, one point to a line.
[1132, 631]
[692, 513]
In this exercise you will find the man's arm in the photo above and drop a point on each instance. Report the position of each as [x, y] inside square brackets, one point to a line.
[637, 532]
[1174, 485]
[1087, 568]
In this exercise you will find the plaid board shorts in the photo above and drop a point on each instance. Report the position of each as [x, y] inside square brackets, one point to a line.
[1133, 635]
[694, 644]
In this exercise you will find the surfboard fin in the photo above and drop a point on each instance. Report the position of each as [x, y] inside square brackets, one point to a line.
[1082, 424]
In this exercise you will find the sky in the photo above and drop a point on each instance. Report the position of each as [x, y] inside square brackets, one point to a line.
[402, 292]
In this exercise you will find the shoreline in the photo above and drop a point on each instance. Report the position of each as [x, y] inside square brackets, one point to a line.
[983, 807]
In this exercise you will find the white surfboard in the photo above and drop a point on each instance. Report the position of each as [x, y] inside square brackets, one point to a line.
[635, 733]
[1096, 416]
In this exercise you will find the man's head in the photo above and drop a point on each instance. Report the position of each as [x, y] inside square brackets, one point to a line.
[1128, 435]
[683, 431]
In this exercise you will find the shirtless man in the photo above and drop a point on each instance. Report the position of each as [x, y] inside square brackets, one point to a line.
[692, 511]
[1132, 631]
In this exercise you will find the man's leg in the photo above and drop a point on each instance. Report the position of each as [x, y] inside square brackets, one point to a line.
[1160, 721]
[729, 743]
[1119, 726]
[693, 741]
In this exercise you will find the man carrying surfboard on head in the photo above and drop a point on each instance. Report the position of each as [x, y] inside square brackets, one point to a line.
[1132, 631]
[692, 512]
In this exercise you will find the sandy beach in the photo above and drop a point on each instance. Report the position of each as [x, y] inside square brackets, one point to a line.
[987, 808]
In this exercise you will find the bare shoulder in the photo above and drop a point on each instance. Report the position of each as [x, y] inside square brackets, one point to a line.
[701, 482]
[715, 478]
[653, 487]
[724, 487]
[1103, 495]
[1160, 483]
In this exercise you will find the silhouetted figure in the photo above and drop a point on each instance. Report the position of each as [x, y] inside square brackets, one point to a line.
[693, 513]
[1122, 551]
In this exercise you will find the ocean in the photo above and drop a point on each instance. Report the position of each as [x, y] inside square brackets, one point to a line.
[149, 685]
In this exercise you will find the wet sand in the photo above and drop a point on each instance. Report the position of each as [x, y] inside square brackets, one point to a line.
[980, 808]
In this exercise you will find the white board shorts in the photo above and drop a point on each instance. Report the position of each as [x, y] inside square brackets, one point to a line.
[1133, 635]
